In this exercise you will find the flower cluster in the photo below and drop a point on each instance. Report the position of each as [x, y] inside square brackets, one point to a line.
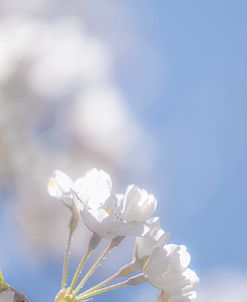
[114, 216]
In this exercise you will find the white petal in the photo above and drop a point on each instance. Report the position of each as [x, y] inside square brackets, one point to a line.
[171, 282]
[59, 185]
[147, 206]
[154, 222]
[157, 264]
[111, 204]
[130, 203]
[79, 205]
[138, 205]
[99, 223]
[129, 228]
[99, 214]
[179, 256]
[143, 247]
[94, 188]
[192, 277]
[155, 237]
[177, 282]
[120, 198]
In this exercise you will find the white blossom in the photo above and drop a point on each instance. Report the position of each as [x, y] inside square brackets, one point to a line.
[93, 189]
[178, 255]
[155, 237]
[60, 186]
[110, 215]
[138, 205]
[115, 216]
[167, 269]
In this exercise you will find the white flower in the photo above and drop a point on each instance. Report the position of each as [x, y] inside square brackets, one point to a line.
[172, 257]
[95, 202]
[167, 269]
[111, 215]
[60, 186]
[101, 220]
[155, 237]
[138, 205]
[178, 255]
[93, 189]
[104, 213]
[177, 282]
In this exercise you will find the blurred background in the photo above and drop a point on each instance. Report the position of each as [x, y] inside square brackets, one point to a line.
[155, 93]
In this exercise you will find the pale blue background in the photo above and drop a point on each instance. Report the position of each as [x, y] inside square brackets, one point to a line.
[198, 119]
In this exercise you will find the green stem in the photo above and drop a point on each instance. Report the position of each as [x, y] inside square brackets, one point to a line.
[101, 284]
[66, 259]
[114, 242]
[123, 272]
[93, 243]
[100, 291]
[130, 282]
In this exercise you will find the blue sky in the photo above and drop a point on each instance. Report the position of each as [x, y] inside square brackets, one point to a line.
[198, 118]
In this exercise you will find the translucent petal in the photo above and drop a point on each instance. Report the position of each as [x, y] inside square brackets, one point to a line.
[59, 184]
[138, 205]
[179, 256]
[94, 188]
[155, 237]
[98, 222]
[157, 264]
[129, 228]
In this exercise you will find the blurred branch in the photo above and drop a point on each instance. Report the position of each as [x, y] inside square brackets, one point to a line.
[4, 286]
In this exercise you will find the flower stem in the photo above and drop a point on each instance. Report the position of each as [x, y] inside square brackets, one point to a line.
[124, 271]
[101, 284]
[66, 259]
[100, 291]
[114, 242]
[163, 297]
[130, 282]
[93, 243]
[72, 226]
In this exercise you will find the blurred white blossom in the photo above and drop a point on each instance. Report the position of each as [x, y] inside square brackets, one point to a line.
[59, 107]
[101, 118]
